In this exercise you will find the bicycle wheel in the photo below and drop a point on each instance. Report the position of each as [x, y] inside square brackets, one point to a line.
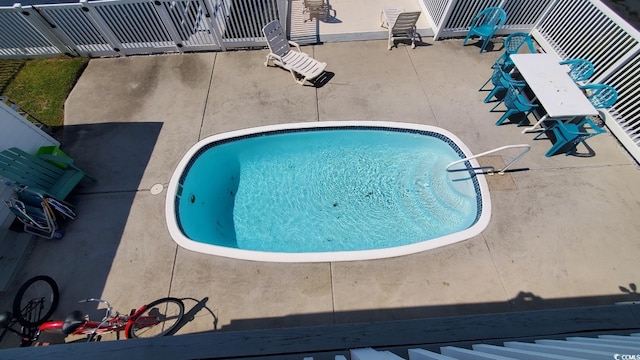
[36, 300]
[160, 318]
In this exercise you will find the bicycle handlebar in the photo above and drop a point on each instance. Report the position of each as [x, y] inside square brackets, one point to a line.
[95, 300]
[109, 308]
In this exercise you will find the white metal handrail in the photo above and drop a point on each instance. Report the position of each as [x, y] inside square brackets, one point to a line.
[501, 171]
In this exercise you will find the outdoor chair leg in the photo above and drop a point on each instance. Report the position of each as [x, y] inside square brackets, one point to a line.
[465, 39]
[296, 78]
[484, 44]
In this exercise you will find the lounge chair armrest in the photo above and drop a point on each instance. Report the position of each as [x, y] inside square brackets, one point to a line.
[277, 57]
[53, 158]
[293, 43]
[60, 159]
[65, 160]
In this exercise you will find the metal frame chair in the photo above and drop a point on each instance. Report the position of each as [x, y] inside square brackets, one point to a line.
[41, 215]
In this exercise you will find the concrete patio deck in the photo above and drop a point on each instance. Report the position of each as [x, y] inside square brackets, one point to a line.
[563, 233]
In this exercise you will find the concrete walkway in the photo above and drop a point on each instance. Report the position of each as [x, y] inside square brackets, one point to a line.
[564, 230]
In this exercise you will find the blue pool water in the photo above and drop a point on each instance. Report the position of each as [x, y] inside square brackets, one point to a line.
[324, 190]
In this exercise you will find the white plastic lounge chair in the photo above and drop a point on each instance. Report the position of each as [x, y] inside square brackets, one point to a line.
[401, 24]
[302, 66]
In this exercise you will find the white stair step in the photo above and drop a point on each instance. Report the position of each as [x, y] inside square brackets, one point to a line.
[371, 354]
[466, 354]
[613, 349]
[520, 354]
[559, 350]
[628, 343]
[422, 354]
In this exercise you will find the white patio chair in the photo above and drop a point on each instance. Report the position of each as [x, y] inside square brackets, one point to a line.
[302, 66]
[401, 24]
[317, 9]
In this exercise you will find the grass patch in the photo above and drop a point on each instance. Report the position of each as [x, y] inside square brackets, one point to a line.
[41, 87]
[8, 70]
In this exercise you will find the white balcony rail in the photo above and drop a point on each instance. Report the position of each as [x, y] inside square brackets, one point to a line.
[526, 147]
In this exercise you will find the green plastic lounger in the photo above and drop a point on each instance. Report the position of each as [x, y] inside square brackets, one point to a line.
[39, 173]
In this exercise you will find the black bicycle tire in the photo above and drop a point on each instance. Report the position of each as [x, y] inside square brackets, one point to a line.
[17, 300]
[131, 330]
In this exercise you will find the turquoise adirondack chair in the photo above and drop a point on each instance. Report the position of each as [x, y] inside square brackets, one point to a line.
[40, 173]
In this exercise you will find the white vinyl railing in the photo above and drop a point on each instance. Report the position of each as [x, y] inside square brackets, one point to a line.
[451, 18]
[24, 36]
[588, 29]
[127, 27]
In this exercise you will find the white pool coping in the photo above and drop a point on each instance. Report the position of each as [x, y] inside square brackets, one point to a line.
[185, 242]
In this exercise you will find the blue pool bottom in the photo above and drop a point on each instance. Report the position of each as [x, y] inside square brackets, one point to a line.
[325, 190]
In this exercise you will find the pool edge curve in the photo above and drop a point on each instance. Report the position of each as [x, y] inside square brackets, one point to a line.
[252, 255]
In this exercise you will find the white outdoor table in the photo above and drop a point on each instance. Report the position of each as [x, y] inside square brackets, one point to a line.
[553, 87]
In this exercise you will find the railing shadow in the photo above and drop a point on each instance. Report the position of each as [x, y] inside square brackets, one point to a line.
[190, 315]
[523, 301]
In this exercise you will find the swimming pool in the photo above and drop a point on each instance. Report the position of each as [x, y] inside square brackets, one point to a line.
[325, 191]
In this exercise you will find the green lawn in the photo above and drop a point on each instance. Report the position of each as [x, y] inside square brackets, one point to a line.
[8, 70]
[41, 86]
